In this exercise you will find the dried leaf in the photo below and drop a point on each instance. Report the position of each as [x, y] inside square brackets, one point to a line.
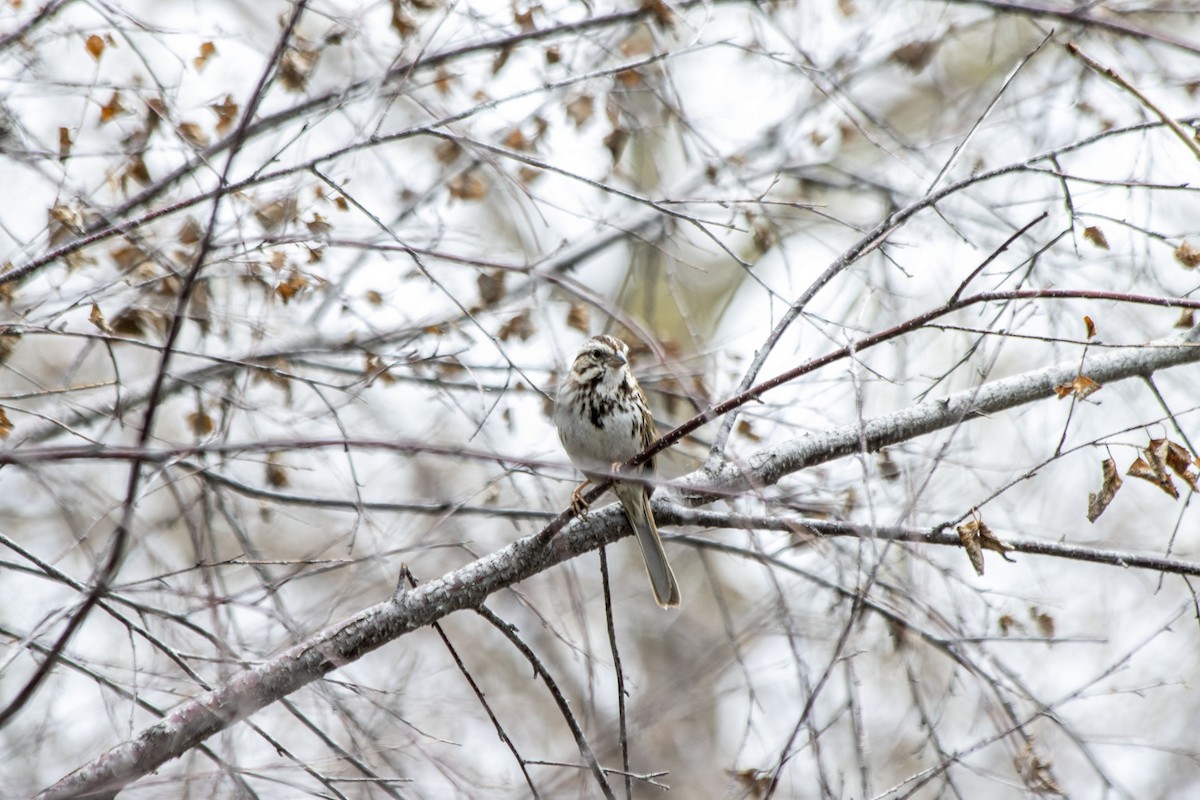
[915, 56]
[373, 297]
[524, 18]
[318, 225]
[1096, 236]
[95, 46]
[447, 151]
[295, 67]
[276, 214]
[112, 108]
[276, 474]
[226, 112]
[8, 343]
[135, 170]
[581, 109]
[615, 142]
[1044, 622]
[515, 140]
[1187, 319]
[467, 186]
[765, 236]
[402, 23]
[1187, 255]
[193, 133]
[376, 368]
[1178, 460]
[291, 287]
[443, 81]
[200, 423]
[744, 428]
[553, 55]
[1152, 466]
[1112, 482]
[190, 232]
[519, 326]
[976, 537]
[207, 51]
[65, 224]
[6, 427]
[887, 467]
[64, 143]
[663, 14]
[756, 782]
[1007, 622]
[1090, 327]
[97, 319]
[501, 58]
[491, 287]
[136, 322]
[578, 317]
[1081, 387]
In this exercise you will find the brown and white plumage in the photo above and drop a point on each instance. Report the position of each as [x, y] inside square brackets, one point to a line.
[603, 420]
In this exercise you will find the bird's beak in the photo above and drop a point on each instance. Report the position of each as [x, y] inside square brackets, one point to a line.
[618, 359]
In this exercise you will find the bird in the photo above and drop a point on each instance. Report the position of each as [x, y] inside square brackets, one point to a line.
[603, 420]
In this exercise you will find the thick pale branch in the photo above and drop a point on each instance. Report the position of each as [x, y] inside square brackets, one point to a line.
[469, 586]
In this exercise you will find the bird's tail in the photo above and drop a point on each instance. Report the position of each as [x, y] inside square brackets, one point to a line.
[636, 503]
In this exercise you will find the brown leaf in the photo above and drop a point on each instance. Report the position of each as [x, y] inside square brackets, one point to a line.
[95, 46]
[1081, 387]
[1007, 622]
[295, 67]
[193, 133]
[226, 112]
[6, 427]
[135, 170]
[581, 109]
[373, 297]
[553, 55]
[318, 225]
[976, 537]
[64, 143]
[887, 467]
[744, 428]
[501, 58]
[136, 322]
[1187, 319]
[8, 343]
[1096, 237]
[915, 55]
[515, 140]
[1180, 461]
[207, 51]
[663, 14]
[1090, 327]
[376, 368]
[1152, 466]
[519, 326]
[443, 81]
[756, 782]
[1112, 482]
[1187, 255]
[190, 232]
[65, 224]
[276, 214]
[1044, 622]
[276, 474]
[447, 151]
[200, 423]
[578, 317]
[404, 25]
[491, 286]
[524, 18]
[112, 108]
[615, 142]
[97, 319]
[291, 287]
[467, 186]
